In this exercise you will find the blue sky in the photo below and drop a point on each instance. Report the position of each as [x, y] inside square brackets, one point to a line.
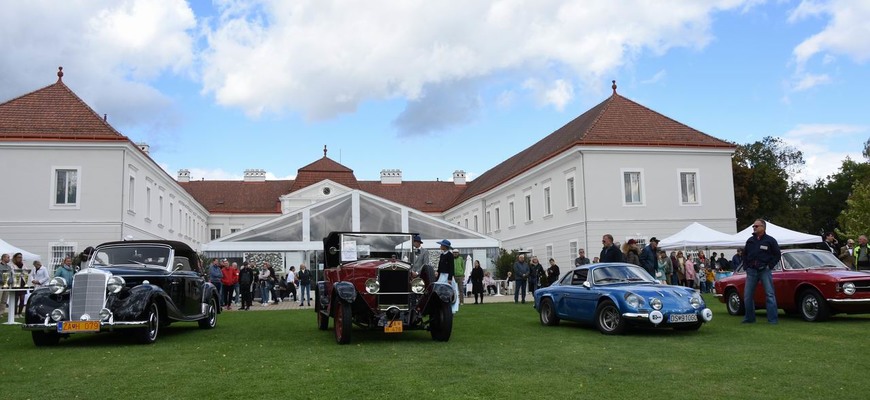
[432, 87]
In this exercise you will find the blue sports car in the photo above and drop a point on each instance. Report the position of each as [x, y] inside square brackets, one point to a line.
[615, 295]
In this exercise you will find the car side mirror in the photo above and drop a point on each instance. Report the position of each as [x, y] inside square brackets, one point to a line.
[587, 285]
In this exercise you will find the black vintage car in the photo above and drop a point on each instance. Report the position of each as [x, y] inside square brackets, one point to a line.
[368, 282]
[142, 286]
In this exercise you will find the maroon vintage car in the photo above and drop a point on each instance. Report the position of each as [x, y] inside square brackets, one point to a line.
[811, 283]
[368, 282]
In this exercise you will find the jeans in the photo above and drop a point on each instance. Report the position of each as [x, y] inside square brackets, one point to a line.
[766, 277]
[236, 293]
[220, 289]
[533, 285]
[703, 286]
[519, 287]
[304, 291]
[265, 288]
[228, 294]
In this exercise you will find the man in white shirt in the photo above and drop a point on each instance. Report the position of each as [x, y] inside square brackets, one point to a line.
[291, 282]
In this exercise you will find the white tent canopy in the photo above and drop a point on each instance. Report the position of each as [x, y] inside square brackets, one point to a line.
[783, 236]
[699, 235]
[6, 248]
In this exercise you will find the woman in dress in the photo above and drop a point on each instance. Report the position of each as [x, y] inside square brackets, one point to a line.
[477, 282]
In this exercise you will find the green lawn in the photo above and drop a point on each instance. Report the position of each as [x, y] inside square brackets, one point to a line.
[496, 351]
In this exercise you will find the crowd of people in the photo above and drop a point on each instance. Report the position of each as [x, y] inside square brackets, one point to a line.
[238, 286]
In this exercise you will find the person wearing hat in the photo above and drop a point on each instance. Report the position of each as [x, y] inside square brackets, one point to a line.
[421, 260]
[648, 256]
[631, 253]
[446, 269]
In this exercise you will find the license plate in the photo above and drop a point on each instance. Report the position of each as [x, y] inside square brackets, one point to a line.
[676, 318]
[78, 326]
[393, 327]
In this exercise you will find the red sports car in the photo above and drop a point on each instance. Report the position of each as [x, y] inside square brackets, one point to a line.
[811, 283]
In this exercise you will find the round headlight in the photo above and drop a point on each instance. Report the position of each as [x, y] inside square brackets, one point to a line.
[656, 304]
[115, 284]
[633, 300]
[849, 288]
[57, 315]
[695, 301]
[57, 285]
[417, 286]
[372, 286]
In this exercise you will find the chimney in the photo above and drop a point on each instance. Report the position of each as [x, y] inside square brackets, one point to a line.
[391, 176]
[144, 147]
[459, 177]
[183, 175]
[255, 175]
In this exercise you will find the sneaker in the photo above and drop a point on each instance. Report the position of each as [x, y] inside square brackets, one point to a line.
[301, 305]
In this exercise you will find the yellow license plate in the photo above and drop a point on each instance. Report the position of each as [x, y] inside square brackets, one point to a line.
[78, 326]
[393, 327]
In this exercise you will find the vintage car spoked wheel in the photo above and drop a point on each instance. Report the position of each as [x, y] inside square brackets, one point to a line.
[210, 319]
[608, 320]
[148, 334]
[548, 313]
[322, 318]
[342, 322]
[733, 303]
[45, 338]
[441, 323]
[813, 307]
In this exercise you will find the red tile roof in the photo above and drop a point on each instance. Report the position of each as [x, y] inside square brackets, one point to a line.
[53, 113]
[324, 168]
[425, 196]
[239, 197]
[616, 121]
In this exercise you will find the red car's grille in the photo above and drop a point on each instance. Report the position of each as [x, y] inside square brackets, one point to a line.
[862, 286]
[395, 287]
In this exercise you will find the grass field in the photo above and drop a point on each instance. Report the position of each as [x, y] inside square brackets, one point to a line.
[497, 351]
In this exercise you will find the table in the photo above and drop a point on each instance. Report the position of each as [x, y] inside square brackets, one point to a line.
[498, 283]
[10, 304]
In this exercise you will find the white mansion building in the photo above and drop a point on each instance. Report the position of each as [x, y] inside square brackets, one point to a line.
[71, 180]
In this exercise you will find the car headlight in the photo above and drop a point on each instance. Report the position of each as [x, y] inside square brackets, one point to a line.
[656, 304]
[417, 286]
[115, 284]
[849, 288]
[633, 300]
[57, 315]
[57, 285]
[372, 285]
[696, 301]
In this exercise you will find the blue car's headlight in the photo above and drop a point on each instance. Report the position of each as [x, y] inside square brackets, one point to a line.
[696, 301]
[656, 304]
[633, 300]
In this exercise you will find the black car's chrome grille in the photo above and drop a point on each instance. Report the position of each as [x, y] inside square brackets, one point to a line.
[88, 294]
[395, 287]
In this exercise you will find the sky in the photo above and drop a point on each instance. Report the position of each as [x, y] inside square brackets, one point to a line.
[430, 87]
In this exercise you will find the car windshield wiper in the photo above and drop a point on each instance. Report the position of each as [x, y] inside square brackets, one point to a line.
[636, 279]
[605, 280]
[137, 262]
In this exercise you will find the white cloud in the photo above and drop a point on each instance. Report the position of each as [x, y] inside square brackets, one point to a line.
[557, 93]
[323, 58]
[807, 81]
[656, 78]
[110, 51]
[825, 146]
[846, 32]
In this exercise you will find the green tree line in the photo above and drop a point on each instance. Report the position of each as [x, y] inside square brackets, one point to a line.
[764, 188]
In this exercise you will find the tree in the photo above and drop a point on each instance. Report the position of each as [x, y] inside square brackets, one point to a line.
[855, 219]
[826, 199]
[867, 150]
[761, 173]
[505, 262]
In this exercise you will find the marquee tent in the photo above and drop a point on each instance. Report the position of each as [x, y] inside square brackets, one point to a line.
[699, 235]
[6, 248]
[783, 236]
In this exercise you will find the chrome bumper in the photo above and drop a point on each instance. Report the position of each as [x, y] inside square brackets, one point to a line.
[644, 316]
[849, 301]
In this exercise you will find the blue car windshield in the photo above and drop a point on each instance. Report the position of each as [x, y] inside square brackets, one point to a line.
[612, 274]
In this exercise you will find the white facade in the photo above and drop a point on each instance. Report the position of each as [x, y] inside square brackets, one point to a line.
[533, 211]
[119, 193]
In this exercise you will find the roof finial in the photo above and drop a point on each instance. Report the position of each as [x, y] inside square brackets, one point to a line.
[59, 74]
[324, 151]
[614, 86]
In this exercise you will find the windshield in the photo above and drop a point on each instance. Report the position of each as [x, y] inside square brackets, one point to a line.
[142, 255]
[620, 274]
[361, 246]
[811, 260]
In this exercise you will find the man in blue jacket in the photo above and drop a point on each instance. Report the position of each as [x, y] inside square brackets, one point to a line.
[648, 256]
[762, 255]
[610, 252]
